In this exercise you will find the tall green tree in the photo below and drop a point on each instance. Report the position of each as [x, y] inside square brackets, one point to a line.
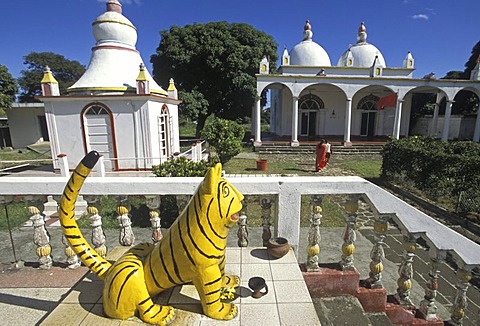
[472, 61]
[8, 89]
[214, 67]
[466, 102]
[65, 71]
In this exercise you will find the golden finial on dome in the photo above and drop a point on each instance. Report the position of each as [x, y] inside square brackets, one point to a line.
[362, 33]
[362, 28]
[114, 5]
[307, 26]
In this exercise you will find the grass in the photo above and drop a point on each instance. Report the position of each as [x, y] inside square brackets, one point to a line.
[277, 164]
[21, 156]
[363, 168]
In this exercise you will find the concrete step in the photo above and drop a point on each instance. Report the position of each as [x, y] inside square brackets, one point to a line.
[346, 310]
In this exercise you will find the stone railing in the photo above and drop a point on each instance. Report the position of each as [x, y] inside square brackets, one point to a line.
[283, 197]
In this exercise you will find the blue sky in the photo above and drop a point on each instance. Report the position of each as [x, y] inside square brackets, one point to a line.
[439, 33]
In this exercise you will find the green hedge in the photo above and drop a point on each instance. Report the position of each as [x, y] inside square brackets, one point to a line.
[435, 167]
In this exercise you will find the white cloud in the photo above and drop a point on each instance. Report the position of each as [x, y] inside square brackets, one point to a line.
[420, 16]
[126, 2]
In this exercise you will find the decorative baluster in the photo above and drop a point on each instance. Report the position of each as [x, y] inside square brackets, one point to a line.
[349, 236]
[99, 239]
[126, 238]
[242, 232]
[72, 260]
[428, 307]
[41, 238]
[182, 202]
[266, 217]
[153, 203]
[377, 254]
[460, 300]
[313, 248]
[405, 271]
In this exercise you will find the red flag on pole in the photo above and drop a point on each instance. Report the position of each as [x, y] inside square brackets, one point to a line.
[387, 101]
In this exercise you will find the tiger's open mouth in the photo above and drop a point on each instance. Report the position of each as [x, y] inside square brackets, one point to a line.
[234, 218]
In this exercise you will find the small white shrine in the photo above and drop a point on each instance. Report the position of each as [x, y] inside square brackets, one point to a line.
[311, 97]
[115, 108]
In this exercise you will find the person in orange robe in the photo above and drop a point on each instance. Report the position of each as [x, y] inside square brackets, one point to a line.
[320, 156]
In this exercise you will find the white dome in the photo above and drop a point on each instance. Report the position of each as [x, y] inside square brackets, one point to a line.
[363, 56]
[113, 27]
[307, 52]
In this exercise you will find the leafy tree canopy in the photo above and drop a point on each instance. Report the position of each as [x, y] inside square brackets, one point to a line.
[466, 102]
[472, 61]
[214, 66]
[65, 71]
[8, 89]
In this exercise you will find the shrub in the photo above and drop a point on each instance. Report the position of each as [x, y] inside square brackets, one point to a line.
[182, 167]
[438, 168]
[225, 137]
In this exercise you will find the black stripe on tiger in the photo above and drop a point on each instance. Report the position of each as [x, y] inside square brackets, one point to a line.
[165, 267]
[153, 274]
[68, 226]
[123, 285]
[213, 282]
[69, 188]
[219, 199]
[159, 311]
[200, 226]
[195, 244]
[143, 301]
[213, 292]
[73, 236]
[229, 206]
[183, 242]
[149, 308]
[117, 273]
[175, 266]
[212, 302]
[210, 223]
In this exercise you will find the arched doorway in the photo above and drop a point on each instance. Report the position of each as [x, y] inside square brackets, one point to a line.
[368, 106]
[98, 133]
[309, 106]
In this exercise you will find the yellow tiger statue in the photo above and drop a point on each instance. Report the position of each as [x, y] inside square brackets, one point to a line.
[193, 250]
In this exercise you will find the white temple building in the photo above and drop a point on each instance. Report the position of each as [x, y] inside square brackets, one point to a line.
[311, 97]
[115, 108]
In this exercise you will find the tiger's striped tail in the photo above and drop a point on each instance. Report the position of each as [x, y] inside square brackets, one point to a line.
[80, 246]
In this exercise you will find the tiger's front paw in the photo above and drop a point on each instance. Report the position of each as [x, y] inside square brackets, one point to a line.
[232, 281]
[232, 311]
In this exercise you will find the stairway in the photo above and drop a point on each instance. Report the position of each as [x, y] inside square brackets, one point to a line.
[341, 299]
[337, 149]
[347, 310]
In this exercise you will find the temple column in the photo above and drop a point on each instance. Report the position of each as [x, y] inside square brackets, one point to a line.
[294, 142]
[398, 120]
[258, 124]
[446, 122]
[433, 132]
[348, 123]
[476, 134]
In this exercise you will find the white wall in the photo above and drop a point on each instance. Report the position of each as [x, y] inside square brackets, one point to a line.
[24, 125]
